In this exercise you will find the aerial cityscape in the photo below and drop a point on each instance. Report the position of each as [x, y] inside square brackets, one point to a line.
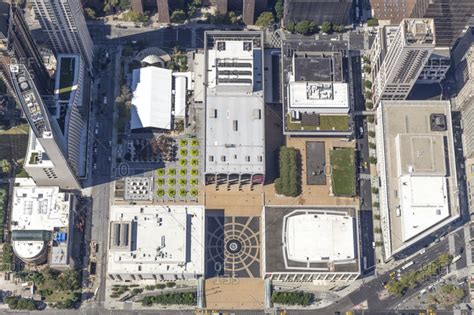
[237, 157]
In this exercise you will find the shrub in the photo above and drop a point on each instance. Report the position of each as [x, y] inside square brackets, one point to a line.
[377, 230]
[160, 181]
[371, 133]
[376, 204]
[149, 287]
[183, 162]
[136, 291]
[176, 298]
[194, 192]
[171, 192]
[172, 171]
[293, 298]
[287, 184]
[183, 181]
[178, 16]
[339, 28]
[375, 190]
[7, 257]
[367, 69]
[194, 171]
[372, 160]
[290, 27]
[377, 216]
[372, 145]
[370, 119]
[170, 284]
[305, 27]
[368, 84]
[194, 152]
[194, 181]
[194, 162]
[183, 171]
[369, 105]
[183, 152]
[183, 142]
[194, 142]
[372, 22]
[368, 95]
[160, 286]
[171, 181]
[160, 172]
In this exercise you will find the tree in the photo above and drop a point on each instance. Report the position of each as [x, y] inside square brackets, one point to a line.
[134, 16]
[373, 22]
[305, 27]
[279, 9]
[368, 84]
[370, 119]
[368, 94]
[233, 17]
[90, 14]
[371, 133]
[326, 27]
[366, 59]
[339, 28]
[372, 145]
[367, 69]
[373, 160]
[369, 105]
[69, 281]
[290, 27]
[293, 298]
[265, 19]
[178, 16]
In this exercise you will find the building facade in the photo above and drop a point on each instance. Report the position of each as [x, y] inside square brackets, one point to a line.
[398, 56]
[450, 17]
[66, 27]
[393, 11]
[318, 11]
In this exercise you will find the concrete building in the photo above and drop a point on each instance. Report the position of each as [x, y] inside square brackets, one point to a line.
[17, 46]
[318, 11]
[235, 137]
[66, 27]
[316, 93]
[416, 165]
[42, 225]
[450, 17]
[436, 67]
[156, 243]
[393, 11]
[69, 109]
[311, 244]
[398, 55]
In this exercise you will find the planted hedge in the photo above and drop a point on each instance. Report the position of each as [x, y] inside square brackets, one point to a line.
[288, 182]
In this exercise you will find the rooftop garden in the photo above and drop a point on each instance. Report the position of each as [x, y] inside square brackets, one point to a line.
[343, 171]
[288, 182]
[326, 123]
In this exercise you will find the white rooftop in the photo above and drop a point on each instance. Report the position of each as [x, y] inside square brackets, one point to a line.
[38, 209]
[163, 240]
[423, 203]
[316, 236]
[319, 95]
[151, 103]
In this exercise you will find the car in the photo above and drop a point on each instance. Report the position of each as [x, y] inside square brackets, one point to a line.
[361, 131]
[96, 130]
[110, 159]
[366, 164]
[95, 166]
[392, 274]
[422, 251]
[95, 149]
[384, 284]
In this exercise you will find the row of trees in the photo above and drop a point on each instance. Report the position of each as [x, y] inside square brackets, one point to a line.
[293, 298]
[415, 278]
[175, 298]
[306, 27]
[19, 303]
[180, 15]
[288, 182]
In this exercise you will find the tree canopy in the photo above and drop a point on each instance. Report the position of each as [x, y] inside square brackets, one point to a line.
[265, 19]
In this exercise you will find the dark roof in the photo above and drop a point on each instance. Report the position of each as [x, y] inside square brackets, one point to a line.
[31, 235]
[4, 15]
[318, 66]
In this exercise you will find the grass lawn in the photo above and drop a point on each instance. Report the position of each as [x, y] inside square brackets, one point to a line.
[337, 123]
[343, 171]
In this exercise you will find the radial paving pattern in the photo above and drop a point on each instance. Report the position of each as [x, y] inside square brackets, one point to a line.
[233, 246]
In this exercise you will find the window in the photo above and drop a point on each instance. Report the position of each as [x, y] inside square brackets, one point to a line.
[223, 158]
[235, 125]
[211, 158]
[247, 158]
[260, 158]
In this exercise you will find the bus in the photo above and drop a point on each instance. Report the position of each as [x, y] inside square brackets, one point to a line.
[405, 266]
[455, 259]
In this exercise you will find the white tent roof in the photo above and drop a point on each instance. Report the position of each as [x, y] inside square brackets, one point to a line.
[180, 97]
[151, 102]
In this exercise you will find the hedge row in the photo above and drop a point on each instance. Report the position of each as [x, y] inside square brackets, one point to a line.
[287, 184]
[179, 298]
[293, 298]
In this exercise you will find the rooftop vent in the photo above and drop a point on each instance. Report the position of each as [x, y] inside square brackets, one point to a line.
[438, 122]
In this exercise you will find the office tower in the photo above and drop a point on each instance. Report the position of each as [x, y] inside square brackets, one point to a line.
[66, 27]
[450, 17]
[22, 69]
[398, 56]
[318, 11]
[393, 10]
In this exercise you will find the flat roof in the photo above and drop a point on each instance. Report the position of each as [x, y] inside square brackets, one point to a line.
[235, 137]
[334, 232]
[317, 66]
[151, 102]
[318, 95]
[37, 208]
[310, 240]
[156, 240]
[418, 177]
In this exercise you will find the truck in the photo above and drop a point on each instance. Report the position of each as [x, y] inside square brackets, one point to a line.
[405, 266]
[455, 259]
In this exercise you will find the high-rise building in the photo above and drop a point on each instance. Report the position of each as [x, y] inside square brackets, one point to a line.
[318, 11]
[398, 55]
[51, 127]
[66, 27]
[450, 17]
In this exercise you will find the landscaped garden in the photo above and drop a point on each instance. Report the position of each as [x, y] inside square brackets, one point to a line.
[293, 298]
[288, 182]
[175, 298]
[343, 171]
[179, 179]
